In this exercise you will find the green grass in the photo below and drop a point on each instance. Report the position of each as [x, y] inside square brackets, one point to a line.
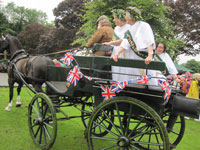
[14, 131]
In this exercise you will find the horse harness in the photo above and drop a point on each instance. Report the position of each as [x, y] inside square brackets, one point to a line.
[13, 60]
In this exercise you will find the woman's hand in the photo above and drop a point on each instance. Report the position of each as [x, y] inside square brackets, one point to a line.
[148, 59]
[107, 43]
[115, 58]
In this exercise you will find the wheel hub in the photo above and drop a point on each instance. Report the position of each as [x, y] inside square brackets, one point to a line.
[38, 121]
[123, 142]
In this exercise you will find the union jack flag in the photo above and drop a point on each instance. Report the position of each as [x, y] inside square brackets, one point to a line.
[107, 92]
[91, 78]
[182, 76]
[118, 86]
[170, 80]
[167, 94]
[74, 75]
[143, 79]
[67, 59]
[162, 83]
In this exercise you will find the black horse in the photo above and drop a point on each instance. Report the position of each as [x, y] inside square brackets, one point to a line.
[31, 68]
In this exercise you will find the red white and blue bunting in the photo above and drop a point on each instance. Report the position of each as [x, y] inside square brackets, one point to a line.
[67, 59]
[143, 79]
[109, 91]
[74, 75]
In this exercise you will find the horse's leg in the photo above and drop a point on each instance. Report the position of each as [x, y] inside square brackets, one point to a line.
[38, 87]
[18, 101]
[11, 86]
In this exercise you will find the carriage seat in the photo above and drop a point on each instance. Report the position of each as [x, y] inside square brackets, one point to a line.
[57, 87]
[56, 80]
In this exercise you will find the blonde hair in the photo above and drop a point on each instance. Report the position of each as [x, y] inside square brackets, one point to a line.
[196, 76]
[134, 13]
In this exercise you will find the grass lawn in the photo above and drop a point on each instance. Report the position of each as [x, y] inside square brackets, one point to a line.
[14, 132]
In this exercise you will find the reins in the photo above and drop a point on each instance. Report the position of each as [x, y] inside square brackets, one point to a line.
[59, 52]
[63, 51]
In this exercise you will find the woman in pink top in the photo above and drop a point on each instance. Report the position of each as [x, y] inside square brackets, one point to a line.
[185, 83]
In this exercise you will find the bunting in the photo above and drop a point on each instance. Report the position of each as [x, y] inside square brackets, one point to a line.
[167, 94]
[91, 78]
[162, 83]
[107, 92]
[143, 79]
[74, 75]
[118, 86]
[67, 59]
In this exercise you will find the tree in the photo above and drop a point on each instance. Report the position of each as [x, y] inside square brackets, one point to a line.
[4, 25]
[67, 23]
[193, 65]
[57, 39]
[186, 20]
[67, 14]
[19, 17]
[30, 36]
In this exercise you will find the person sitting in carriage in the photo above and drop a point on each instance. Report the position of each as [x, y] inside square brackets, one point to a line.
[119, 31]
[104, 33]
[164, 56]
[138, 42]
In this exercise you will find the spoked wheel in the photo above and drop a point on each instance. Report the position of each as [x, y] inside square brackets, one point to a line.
[177, 131]
[42, 121]
[87, 110]
[135, 126]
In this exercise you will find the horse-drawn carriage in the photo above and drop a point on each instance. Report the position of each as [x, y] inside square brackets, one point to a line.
[136, 117]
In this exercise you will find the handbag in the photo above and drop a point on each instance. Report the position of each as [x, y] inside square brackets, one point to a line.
[102, 47]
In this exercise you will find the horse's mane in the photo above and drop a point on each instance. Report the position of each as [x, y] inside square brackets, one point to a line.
[15, 41]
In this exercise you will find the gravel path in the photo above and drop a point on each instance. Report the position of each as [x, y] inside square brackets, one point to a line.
[3, 79]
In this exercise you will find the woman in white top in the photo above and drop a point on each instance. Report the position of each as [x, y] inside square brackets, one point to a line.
[139, 39]
[161, 52]
[119, 31]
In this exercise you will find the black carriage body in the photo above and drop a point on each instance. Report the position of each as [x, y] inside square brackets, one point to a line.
[151, 95]
[137, 102]
[56, 80]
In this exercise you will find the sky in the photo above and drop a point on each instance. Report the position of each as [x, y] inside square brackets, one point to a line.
[183, 58]
[47, 6]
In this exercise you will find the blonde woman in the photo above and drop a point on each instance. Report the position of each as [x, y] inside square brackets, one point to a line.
[119, 31]
[138, 42]
[194, 89]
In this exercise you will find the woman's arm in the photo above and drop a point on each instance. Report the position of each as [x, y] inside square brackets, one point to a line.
[117, 42]
[150, 55]
[115, 57]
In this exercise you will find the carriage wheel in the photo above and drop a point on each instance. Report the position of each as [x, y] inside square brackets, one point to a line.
[42, 121]
[177, 132]
[87, 110]
[135, 126]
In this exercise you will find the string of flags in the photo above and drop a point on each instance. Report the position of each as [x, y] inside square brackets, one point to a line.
[109, 91]
[67, 59]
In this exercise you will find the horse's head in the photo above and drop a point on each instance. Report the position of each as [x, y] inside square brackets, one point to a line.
[9, 43]
[4, 43]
